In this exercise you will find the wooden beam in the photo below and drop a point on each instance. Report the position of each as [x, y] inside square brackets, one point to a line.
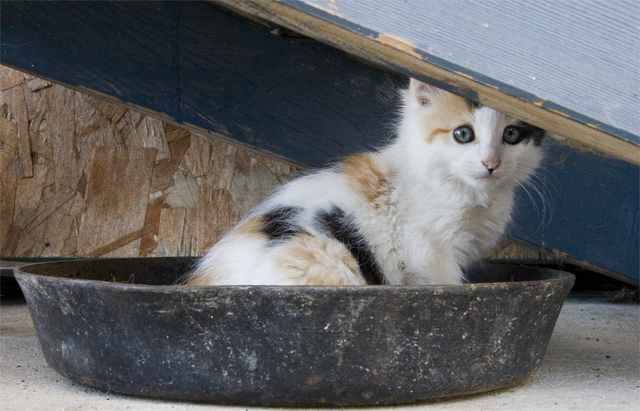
[400, 55]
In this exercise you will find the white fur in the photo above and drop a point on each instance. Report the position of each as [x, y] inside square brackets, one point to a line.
[442, 212]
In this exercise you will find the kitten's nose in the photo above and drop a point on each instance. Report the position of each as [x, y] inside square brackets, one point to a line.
[491, 165]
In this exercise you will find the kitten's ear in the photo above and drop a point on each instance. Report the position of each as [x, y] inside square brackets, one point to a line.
[423, 93]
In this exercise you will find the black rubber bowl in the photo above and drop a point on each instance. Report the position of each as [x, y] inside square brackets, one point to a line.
[120, 325]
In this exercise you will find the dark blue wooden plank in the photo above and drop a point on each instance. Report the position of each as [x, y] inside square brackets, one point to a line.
[195, 64]
[590, 209]
[294, 97]
[200, 66]
[44, 37]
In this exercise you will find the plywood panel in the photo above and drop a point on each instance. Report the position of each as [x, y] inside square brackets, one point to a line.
[170, 233]
[24, 138]
[28, 231]
[8, 180]
[199, 154]
[149, 132]
[116, 198]
[10, 79]
[216, 214]
[149, 242]
[75, 203]
[189, 244]
[29, 195]
[62, 132]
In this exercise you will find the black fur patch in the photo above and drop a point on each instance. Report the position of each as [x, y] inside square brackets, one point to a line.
[533, 133]
[278, 224]
[338, 225]
[473, 104]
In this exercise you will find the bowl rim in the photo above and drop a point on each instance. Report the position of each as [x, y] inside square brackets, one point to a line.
[557, 276]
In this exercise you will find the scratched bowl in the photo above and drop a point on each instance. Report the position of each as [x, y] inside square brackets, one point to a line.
[120, 325]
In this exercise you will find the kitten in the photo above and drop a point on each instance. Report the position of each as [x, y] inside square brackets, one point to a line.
[415, 212]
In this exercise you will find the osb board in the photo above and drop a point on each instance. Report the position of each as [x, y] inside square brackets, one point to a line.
[113, 210]
[81, 177]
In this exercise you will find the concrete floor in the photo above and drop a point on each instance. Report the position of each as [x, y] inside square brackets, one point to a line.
[592, 363]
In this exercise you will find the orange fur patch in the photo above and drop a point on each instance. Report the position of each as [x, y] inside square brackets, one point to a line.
[435, 133]
[198, 279]
[251, 226]
[450, 111]
[308, 260]
[365, 177]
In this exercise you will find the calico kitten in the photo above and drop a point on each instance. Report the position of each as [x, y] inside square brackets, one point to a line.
[415, 212]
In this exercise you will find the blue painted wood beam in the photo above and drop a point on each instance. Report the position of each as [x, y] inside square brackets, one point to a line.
[246, 79]
[196, 65]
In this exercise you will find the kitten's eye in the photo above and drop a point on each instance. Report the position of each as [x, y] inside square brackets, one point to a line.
[463, 135]
[512, 135]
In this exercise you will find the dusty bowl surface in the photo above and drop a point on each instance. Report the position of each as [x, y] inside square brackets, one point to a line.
[120, 325]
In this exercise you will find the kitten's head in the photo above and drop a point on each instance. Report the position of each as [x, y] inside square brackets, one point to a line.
[466, 141]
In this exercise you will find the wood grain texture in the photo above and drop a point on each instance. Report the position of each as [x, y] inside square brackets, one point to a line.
[62, 132]
[116, 198]
[126, 240]
[149, 242]
[56, 228]
[222, 165]
[22, 242]
[10, 79]
[40, 219]
[171, 231]
[8, 181]
[216, 214]
[149, 132]
[521, 65]
[179, 144]
[200, 155]
[24, 138]
[29, 193]
[189, 244]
